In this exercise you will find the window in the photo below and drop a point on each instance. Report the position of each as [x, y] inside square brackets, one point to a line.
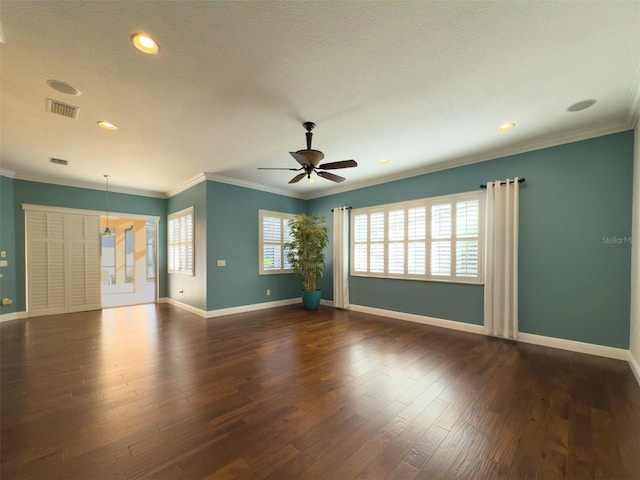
[128, 255]
[429, 239]
[180, 231]
[150, 232]
[109, 258]
[274, 233]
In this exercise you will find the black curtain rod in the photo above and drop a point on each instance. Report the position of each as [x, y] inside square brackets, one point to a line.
[520, 180]
[348, 208]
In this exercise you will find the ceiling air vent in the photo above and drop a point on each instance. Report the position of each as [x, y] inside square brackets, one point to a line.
[59, 161]
[63, 109]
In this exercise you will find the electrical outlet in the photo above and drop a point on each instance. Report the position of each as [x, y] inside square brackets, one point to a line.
[268, 292]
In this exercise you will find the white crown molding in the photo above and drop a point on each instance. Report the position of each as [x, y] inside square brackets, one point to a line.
[186, 185]
[7, 173]
[633, 105]
[90, 186]
[254, 186]
[483, 157]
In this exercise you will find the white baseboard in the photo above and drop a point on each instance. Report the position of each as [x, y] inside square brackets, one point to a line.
[250, 308]
[570, 345]
[635, 368]
[184, 306]
[410, 317]
[573, 346]
[228, 311]
[12, 316]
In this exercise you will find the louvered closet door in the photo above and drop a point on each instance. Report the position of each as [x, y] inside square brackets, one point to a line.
[45, 263]
[83, 263]
[63, 263]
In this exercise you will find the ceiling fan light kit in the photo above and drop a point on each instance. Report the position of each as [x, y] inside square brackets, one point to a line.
[309, 160]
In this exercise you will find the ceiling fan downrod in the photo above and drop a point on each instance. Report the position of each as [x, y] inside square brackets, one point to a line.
[309, 126]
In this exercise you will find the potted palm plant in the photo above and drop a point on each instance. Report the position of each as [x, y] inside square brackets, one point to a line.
[305, 252]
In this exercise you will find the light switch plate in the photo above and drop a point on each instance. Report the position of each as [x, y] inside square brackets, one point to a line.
[4, 263]
[222, 263]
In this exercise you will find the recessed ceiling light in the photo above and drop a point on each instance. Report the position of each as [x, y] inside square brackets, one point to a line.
[384, 160]
[63, 87]
[312, 180]
[107, 125]
[506, 126]
[145, 43]
[583, 105]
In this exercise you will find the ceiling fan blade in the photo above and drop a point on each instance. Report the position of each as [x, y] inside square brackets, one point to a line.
[301, 159]
[297, 178]
[331, 176]
[279, 168]
[336, 165]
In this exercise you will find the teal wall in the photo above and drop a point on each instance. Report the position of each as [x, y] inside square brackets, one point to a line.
[232, 235]
[193, 288]
[36, 193]
[574, 278]
[8, 244]
[575, 264]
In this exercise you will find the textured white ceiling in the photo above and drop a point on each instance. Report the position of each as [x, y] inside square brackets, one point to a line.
[422, 83]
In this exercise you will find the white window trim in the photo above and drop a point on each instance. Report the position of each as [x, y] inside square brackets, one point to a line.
[427, 203]
[189, 211]
[285, 217]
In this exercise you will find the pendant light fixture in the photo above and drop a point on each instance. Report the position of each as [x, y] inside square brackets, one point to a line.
[107, 231]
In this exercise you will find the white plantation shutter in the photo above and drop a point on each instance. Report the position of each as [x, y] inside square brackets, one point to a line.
[274, 234]
[286, 238]
[467, 238]
[416, 236]
[430, 239]
[396, 241]
[272, 243]
[376, 242]
[63, 262]
[180, 235]
[441, 259]
[441, 236]
[360, 243]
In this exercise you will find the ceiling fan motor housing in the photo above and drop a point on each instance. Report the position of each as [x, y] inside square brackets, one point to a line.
[313, 156]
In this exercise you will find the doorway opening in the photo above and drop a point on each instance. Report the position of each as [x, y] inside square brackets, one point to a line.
[128, 262]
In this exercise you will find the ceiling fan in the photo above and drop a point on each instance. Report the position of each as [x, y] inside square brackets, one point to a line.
[309, 160]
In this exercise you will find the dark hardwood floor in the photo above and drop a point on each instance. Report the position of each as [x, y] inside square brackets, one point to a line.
[155, 392]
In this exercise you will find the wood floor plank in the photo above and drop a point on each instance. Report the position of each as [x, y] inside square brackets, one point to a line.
[152, 392]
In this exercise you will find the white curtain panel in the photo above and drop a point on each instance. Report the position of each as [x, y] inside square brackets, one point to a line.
[501, 259]
[341, 257]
